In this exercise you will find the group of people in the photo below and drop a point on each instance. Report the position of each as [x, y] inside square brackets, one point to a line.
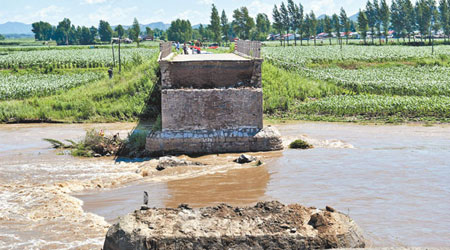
[196, 46]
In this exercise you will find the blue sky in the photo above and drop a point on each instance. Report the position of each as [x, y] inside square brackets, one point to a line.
[89, 12]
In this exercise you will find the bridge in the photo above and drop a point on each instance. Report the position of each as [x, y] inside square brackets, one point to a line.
[212, 103]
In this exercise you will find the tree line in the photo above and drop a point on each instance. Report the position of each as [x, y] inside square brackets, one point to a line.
[425, 17]
[66, 33]
[376, 20]
[220, 29]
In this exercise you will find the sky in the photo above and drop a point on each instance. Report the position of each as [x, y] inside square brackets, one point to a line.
[89, 12]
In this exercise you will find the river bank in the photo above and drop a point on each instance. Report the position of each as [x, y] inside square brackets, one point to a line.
[390, 179]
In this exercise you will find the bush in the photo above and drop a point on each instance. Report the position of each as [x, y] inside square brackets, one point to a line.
[300, 144]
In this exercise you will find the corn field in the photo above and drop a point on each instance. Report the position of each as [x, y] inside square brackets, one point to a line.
[76, 58]
[21, 86]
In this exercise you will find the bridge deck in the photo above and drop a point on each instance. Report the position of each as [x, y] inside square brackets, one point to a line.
[209, 57]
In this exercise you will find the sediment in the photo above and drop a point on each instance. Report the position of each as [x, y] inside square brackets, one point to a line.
[268, 225]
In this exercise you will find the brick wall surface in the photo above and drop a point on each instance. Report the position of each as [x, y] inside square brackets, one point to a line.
[211, 74]
[214, 141]
[194, 109]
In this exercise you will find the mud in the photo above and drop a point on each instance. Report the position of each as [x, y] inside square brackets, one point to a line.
[268, 225]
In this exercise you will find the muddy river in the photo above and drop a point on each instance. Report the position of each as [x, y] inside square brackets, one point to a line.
[393, 180]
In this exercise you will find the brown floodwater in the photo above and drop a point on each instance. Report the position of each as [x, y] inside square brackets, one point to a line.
[394, 181]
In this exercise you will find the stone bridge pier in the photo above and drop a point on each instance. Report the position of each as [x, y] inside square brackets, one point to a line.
[212, 103]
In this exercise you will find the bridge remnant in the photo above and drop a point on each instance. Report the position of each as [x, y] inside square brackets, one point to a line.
[212, 103]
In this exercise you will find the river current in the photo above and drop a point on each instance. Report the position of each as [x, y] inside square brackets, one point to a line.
[394, 181]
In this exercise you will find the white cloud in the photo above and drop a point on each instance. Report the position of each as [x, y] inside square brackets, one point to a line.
[114, 15]
[50, 14]
[194, 16]
[256, 7]
[94, 1]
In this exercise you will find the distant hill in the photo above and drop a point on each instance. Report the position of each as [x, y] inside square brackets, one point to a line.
[157, 25]
[15, 28]
[354, 18]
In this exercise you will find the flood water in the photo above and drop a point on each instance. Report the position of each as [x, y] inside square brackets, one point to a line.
[394, 181]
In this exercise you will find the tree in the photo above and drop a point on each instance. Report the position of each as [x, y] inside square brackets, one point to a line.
[371, 14]
[328, 27]
[285, 19]
[242, 23]
[300, 22]
[313, 25]
[444, 17]
[105, 31]
[385, 18]
[2, 37]
[397, 18]
[345, 23]
[94, 32]
[120, 31]
[337, 27]
[262, 26]
[149, 32]
[378, 18]
[180, 31]
[294, 16]
[62, 32]
[43, 31]
[86, 36]
[307, 27]
[409, 17]
[363, 24]
[135, 31]
[215, 25]
[225, 26]
[277, 23]
[423, 17]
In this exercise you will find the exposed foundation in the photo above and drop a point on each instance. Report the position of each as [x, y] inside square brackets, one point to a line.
[211, 104]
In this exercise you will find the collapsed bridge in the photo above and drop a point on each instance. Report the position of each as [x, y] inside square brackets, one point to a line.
[212, 103]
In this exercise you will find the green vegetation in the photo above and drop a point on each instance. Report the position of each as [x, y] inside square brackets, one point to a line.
[282, 88]
[389, 83]
[28, 85]
[300, 144]
[70, 58]
[95, 143]
[122, 98]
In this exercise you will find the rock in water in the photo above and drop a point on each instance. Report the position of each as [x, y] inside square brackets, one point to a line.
[268, 225]
[245, 159]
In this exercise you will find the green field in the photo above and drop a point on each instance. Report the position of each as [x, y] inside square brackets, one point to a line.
[71, 84]
[352, 83]
[390, 83]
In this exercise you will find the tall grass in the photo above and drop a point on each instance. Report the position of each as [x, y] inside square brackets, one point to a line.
[122, 98]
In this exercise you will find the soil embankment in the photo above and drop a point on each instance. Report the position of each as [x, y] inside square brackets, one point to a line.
[268, 225]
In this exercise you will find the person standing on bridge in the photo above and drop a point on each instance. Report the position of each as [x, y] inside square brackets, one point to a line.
[185, 48]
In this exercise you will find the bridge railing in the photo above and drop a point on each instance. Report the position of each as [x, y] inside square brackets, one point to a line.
[165, 48]
[249, 48]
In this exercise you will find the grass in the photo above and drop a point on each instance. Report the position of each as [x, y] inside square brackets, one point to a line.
[122, 98]
[283, 88]
[300, 144]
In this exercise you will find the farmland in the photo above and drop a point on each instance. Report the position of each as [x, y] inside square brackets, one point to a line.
[70, 84]
[74, 58]
[352, 83]
[370, 83]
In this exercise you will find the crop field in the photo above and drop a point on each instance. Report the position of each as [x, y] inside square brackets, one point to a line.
[74, 58]
[27, 85]
[70, 83]
[373, 82]
[324, 54]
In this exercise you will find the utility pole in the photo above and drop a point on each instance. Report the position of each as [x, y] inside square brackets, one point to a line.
[114, 59]
[120, 64]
